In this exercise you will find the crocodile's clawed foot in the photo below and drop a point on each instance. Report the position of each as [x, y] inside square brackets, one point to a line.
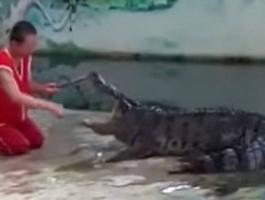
[180, 168]
[131, 154]
[200, 164]
[226, 160]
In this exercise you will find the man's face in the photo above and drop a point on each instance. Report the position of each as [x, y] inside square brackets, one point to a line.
[26, 47]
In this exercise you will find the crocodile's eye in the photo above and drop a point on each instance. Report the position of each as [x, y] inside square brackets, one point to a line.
[121, 108]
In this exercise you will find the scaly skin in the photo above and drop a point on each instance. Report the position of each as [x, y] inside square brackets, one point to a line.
[208, 140]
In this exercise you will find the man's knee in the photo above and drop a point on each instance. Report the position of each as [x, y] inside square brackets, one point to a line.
[33, 134]
[36, 141]
[12, 142]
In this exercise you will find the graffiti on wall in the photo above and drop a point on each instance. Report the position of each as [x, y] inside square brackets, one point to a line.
[215, 27]
[43, 13]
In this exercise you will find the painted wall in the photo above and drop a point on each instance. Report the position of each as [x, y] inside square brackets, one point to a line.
[210, 27]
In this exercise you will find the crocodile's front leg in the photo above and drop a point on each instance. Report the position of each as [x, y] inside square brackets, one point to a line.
[253, 157]
[196, 162]
[248, 158]
[199, 162]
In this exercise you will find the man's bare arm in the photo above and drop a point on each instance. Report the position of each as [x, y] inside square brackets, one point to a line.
[36, 88]
[43, 89]
[10, 87]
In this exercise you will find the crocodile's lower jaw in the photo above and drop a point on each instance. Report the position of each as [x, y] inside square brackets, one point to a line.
[102, 126]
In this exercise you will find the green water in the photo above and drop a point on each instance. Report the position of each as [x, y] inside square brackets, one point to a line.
[187, 85]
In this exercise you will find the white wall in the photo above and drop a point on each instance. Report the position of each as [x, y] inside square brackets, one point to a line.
[211, 27]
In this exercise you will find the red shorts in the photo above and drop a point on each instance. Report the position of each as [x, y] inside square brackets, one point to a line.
[19, 139]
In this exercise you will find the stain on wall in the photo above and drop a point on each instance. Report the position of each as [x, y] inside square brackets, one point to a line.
[189, 27]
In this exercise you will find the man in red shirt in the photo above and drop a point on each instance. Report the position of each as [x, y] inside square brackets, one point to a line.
[18, 133]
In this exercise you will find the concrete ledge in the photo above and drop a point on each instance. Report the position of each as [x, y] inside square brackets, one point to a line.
[183, 58]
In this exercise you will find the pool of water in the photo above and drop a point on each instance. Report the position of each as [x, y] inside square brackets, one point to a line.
[182, 84]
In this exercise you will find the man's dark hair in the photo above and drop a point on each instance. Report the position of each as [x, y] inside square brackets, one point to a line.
[20, 30]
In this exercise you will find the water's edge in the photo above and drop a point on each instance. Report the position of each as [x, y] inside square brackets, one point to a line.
[81, 54]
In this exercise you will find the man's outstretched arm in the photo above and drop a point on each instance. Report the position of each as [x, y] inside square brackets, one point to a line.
[11, 88]
[43, 89]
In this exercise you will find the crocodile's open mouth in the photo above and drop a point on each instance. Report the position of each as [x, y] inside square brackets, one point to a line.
[101, 125]
[106, 124]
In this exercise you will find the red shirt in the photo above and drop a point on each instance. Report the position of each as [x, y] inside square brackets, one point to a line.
[10, 112]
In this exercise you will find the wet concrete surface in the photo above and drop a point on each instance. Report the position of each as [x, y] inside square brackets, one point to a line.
[69, 167]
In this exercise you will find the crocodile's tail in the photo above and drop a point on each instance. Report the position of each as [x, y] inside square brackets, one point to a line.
[100, 83]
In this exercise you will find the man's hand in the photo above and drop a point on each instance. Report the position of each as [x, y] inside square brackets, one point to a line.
[50, 88]
[44, 89]
[56, 109]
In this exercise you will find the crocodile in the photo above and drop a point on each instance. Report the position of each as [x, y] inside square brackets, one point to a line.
[205, 140]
